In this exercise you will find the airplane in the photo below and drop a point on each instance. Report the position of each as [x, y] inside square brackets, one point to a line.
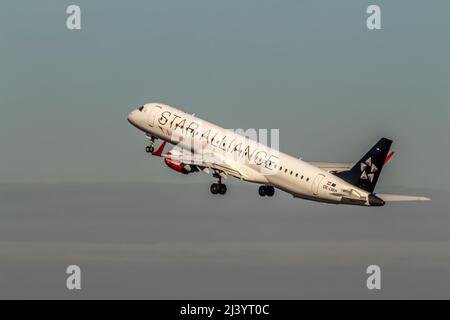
[200, 146]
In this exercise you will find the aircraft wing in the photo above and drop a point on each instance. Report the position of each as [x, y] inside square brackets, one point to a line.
[332, 166]
[210, 160]
[399, 197]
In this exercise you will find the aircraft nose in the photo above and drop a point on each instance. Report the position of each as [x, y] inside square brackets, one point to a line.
[131, 117]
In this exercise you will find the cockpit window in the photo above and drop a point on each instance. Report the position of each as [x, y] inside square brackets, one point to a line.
[140, 109]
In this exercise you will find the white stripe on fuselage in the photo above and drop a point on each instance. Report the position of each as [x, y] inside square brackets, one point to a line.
[185, 130]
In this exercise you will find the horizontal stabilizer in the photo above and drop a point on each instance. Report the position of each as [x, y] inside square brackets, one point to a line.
[399, 197]
[332, 166]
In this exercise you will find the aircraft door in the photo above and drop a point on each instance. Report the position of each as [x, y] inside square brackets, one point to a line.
[316, 183]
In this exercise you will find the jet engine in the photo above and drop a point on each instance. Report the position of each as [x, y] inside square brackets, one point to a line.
[180, 167]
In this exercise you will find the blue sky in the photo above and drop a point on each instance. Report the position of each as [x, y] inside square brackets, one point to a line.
[309, 68]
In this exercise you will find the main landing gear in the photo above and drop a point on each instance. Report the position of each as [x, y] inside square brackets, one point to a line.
[266, 191]
[150, 148]
[218, 188]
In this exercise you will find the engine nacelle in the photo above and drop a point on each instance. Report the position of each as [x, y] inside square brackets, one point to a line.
[180, 167]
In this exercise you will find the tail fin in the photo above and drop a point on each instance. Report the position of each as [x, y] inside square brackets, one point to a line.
[366, 171]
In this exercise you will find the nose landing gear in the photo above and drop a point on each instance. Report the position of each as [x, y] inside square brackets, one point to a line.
[266, 191]
[150, 148]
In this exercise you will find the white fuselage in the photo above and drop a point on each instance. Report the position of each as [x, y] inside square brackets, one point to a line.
[258, 163]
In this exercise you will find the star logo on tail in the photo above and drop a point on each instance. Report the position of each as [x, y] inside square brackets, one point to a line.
[368, 170]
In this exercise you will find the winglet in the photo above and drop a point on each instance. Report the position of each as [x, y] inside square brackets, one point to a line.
[389, 157]
[160, 150]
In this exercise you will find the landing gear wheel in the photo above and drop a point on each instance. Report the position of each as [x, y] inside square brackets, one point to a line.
[218, 188]
[266, 191]
[262, 191]
[215, 188]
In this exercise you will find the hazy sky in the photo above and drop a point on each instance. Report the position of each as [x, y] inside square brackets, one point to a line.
[309, 68]
[168, 241]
